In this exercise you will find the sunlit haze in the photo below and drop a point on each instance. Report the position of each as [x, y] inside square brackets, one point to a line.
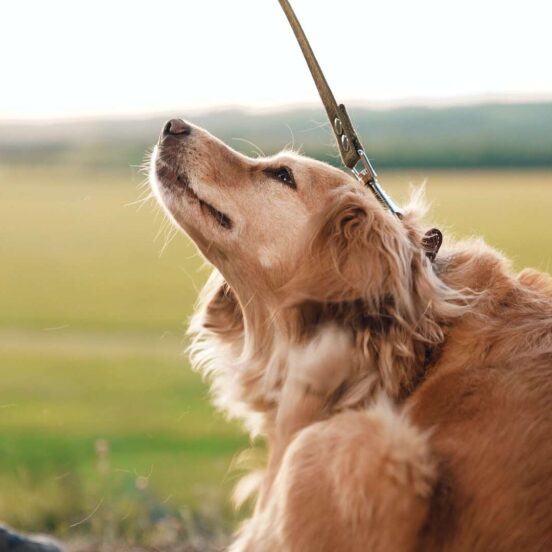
[65, 58]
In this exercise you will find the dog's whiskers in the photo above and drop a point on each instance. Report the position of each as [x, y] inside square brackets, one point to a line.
[258, 150]
[140, 202]
[172, 232]
[165, 225]
[317, 126]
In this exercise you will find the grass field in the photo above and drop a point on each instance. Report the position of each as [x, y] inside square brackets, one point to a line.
[102, 424]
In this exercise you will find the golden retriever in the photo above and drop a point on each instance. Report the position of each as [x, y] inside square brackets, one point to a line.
[406, 404]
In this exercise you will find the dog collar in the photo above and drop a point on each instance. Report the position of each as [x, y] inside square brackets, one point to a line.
[350, 147]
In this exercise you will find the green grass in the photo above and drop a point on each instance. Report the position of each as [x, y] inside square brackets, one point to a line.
[92, 319]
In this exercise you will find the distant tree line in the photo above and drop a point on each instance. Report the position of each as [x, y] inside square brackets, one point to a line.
[487, 135]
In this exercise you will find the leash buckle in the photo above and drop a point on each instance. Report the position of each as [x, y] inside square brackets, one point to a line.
[366, 174]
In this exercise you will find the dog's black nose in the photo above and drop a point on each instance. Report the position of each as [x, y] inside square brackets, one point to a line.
[176, 127]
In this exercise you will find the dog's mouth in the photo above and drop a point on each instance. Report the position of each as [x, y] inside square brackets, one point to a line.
[179, 181]
[222, 219]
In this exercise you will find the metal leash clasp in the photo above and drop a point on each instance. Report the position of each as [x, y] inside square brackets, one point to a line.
[366, 174]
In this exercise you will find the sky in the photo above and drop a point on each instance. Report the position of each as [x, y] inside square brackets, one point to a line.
[74, 58]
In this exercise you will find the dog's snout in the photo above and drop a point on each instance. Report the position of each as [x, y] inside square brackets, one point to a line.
[176, 127]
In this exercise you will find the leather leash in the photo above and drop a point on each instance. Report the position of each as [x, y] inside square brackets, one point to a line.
[350, 147]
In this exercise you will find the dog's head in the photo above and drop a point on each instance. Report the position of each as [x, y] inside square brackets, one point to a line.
[247, 216]
[300, 245]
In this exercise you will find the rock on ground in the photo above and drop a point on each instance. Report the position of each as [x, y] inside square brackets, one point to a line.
[11, 541]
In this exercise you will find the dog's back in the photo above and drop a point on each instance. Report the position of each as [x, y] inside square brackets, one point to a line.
[492, 427]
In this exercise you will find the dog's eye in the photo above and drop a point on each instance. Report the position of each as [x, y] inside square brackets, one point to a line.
[283, 174]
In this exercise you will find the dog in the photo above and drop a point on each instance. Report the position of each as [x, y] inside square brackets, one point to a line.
[405, 403]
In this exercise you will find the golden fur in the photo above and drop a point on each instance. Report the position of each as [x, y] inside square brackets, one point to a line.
[405, 405]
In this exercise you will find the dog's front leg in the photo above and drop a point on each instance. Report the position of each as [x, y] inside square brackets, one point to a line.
[358, 481]
[314, 372]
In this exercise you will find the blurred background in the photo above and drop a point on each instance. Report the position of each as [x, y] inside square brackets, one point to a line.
[105, 433]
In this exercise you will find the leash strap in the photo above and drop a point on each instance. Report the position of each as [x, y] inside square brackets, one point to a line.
[350, 147]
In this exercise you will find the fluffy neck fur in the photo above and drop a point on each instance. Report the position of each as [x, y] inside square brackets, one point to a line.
[363, 274]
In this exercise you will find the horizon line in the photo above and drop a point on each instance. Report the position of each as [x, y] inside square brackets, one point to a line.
[204, 109]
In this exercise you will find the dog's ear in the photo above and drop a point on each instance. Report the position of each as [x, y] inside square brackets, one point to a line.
[363, 262]
[219, 309]
[355, 250]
